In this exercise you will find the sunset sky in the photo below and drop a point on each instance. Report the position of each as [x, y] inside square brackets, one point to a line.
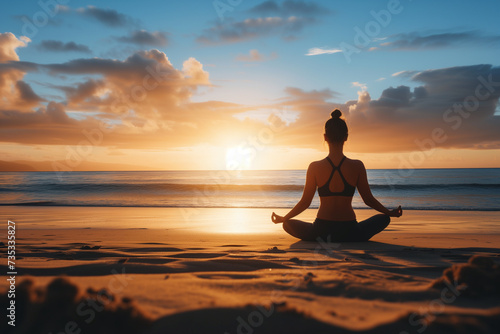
[247, 84]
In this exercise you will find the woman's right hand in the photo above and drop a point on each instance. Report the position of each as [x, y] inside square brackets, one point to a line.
[277, 218]
[396, 212]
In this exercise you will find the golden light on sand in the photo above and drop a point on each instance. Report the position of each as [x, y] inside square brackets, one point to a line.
[237, 222]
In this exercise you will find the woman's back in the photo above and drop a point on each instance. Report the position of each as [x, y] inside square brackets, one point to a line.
[336, 180]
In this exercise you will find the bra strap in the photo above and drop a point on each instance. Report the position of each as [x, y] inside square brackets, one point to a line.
[341, 161]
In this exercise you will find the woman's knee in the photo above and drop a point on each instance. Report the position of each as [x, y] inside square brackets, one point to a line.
[290, 229]
[384, 221]
[381, 218]
[299, 229]
[286, 226]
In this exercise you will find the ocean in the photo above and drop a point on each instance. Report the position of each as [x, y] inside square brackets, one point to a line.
[420, 189]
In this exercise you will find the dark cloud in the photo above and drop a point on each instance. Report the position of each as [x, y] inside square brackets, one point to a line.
[238, 31]
[286, 20]
[419, 41]
[289, 7]
[109, 17]
[458, 102]
[83, 91]
[314, 95]
[143, 37]
[22, 66]
[135, 67]
[26, 93]
[58, 46]
[393, 97]
[54, 113]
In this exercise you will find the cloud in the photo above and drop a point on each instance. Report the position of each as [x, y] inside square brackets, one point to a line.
[143, 37]
[253, 28]
[58, 46]
[146, 82]
[419, 41]
[14, 92]
[459, 101]
[144, 99]
[360, 85]
[405, 74]
[321, 51]
[255, 56]
[53, 114]
[193, 70]
[314, 95]
[26, 93]
[84, 91]
[145, 102]
[270, 18]
[108, 17]
[8, 45]
[289, 7]
[458, 104]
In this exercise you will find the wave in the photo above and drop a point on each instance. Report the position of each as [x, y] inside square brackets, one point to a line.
[152, 187]
[195, 206]
[439, 186]
[185, 187]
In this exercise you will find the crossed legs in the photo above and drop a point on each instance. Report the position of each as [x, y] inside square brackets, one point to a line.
[367, 228]
[300, 229]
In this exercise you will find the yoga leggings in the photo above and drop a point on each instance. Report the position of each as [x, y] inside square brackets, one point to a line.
[337, 231]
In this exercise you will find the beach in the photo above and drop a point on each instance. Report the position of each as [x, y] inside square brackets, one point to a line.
[231, 270]
[156, 156]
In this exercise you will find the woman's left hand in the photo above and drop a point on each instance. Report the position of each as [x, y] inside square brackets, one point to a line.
[396, 212]
[277, 218]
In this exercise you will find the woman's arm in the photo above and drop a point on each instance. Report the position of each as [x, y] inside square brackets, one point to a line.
[305, 201]
[369, 199]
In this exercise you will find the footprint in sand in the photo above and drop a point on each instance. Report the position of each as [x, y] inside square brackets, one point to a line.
[274, 250]
[226, 276]
[367, 256]
[86, 247]
[197, 255]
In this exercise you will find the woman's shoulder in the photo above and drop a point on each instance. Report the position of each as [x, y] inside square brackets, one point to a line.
[315, 164]
[354, 163]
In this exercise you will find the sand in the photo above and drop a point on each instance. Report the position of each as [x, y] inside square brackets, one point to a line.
[157, 270]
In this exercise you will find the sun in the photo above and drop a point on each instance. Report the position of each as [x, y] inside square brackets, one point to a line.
[239, 158]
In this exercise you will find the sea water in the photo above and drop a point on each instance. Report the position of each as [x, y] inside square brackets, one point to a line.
[420, 189]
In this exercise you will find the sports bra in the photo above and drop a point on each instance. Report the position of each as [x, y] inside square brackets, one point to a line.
[324, 190]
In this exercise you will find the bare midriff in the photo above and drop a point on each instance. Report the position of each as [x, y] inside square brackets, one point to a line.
[336, 208]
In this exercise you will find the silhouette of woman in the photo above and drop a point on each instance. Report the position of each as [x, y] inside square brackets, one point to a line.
[336, 177]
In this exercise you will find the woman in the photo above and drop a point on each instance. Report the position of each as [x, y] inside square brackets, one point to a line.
[336, 177]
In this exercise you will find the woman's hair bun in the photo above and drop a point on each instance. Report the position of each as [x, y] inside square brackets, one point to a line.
[336, 113]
